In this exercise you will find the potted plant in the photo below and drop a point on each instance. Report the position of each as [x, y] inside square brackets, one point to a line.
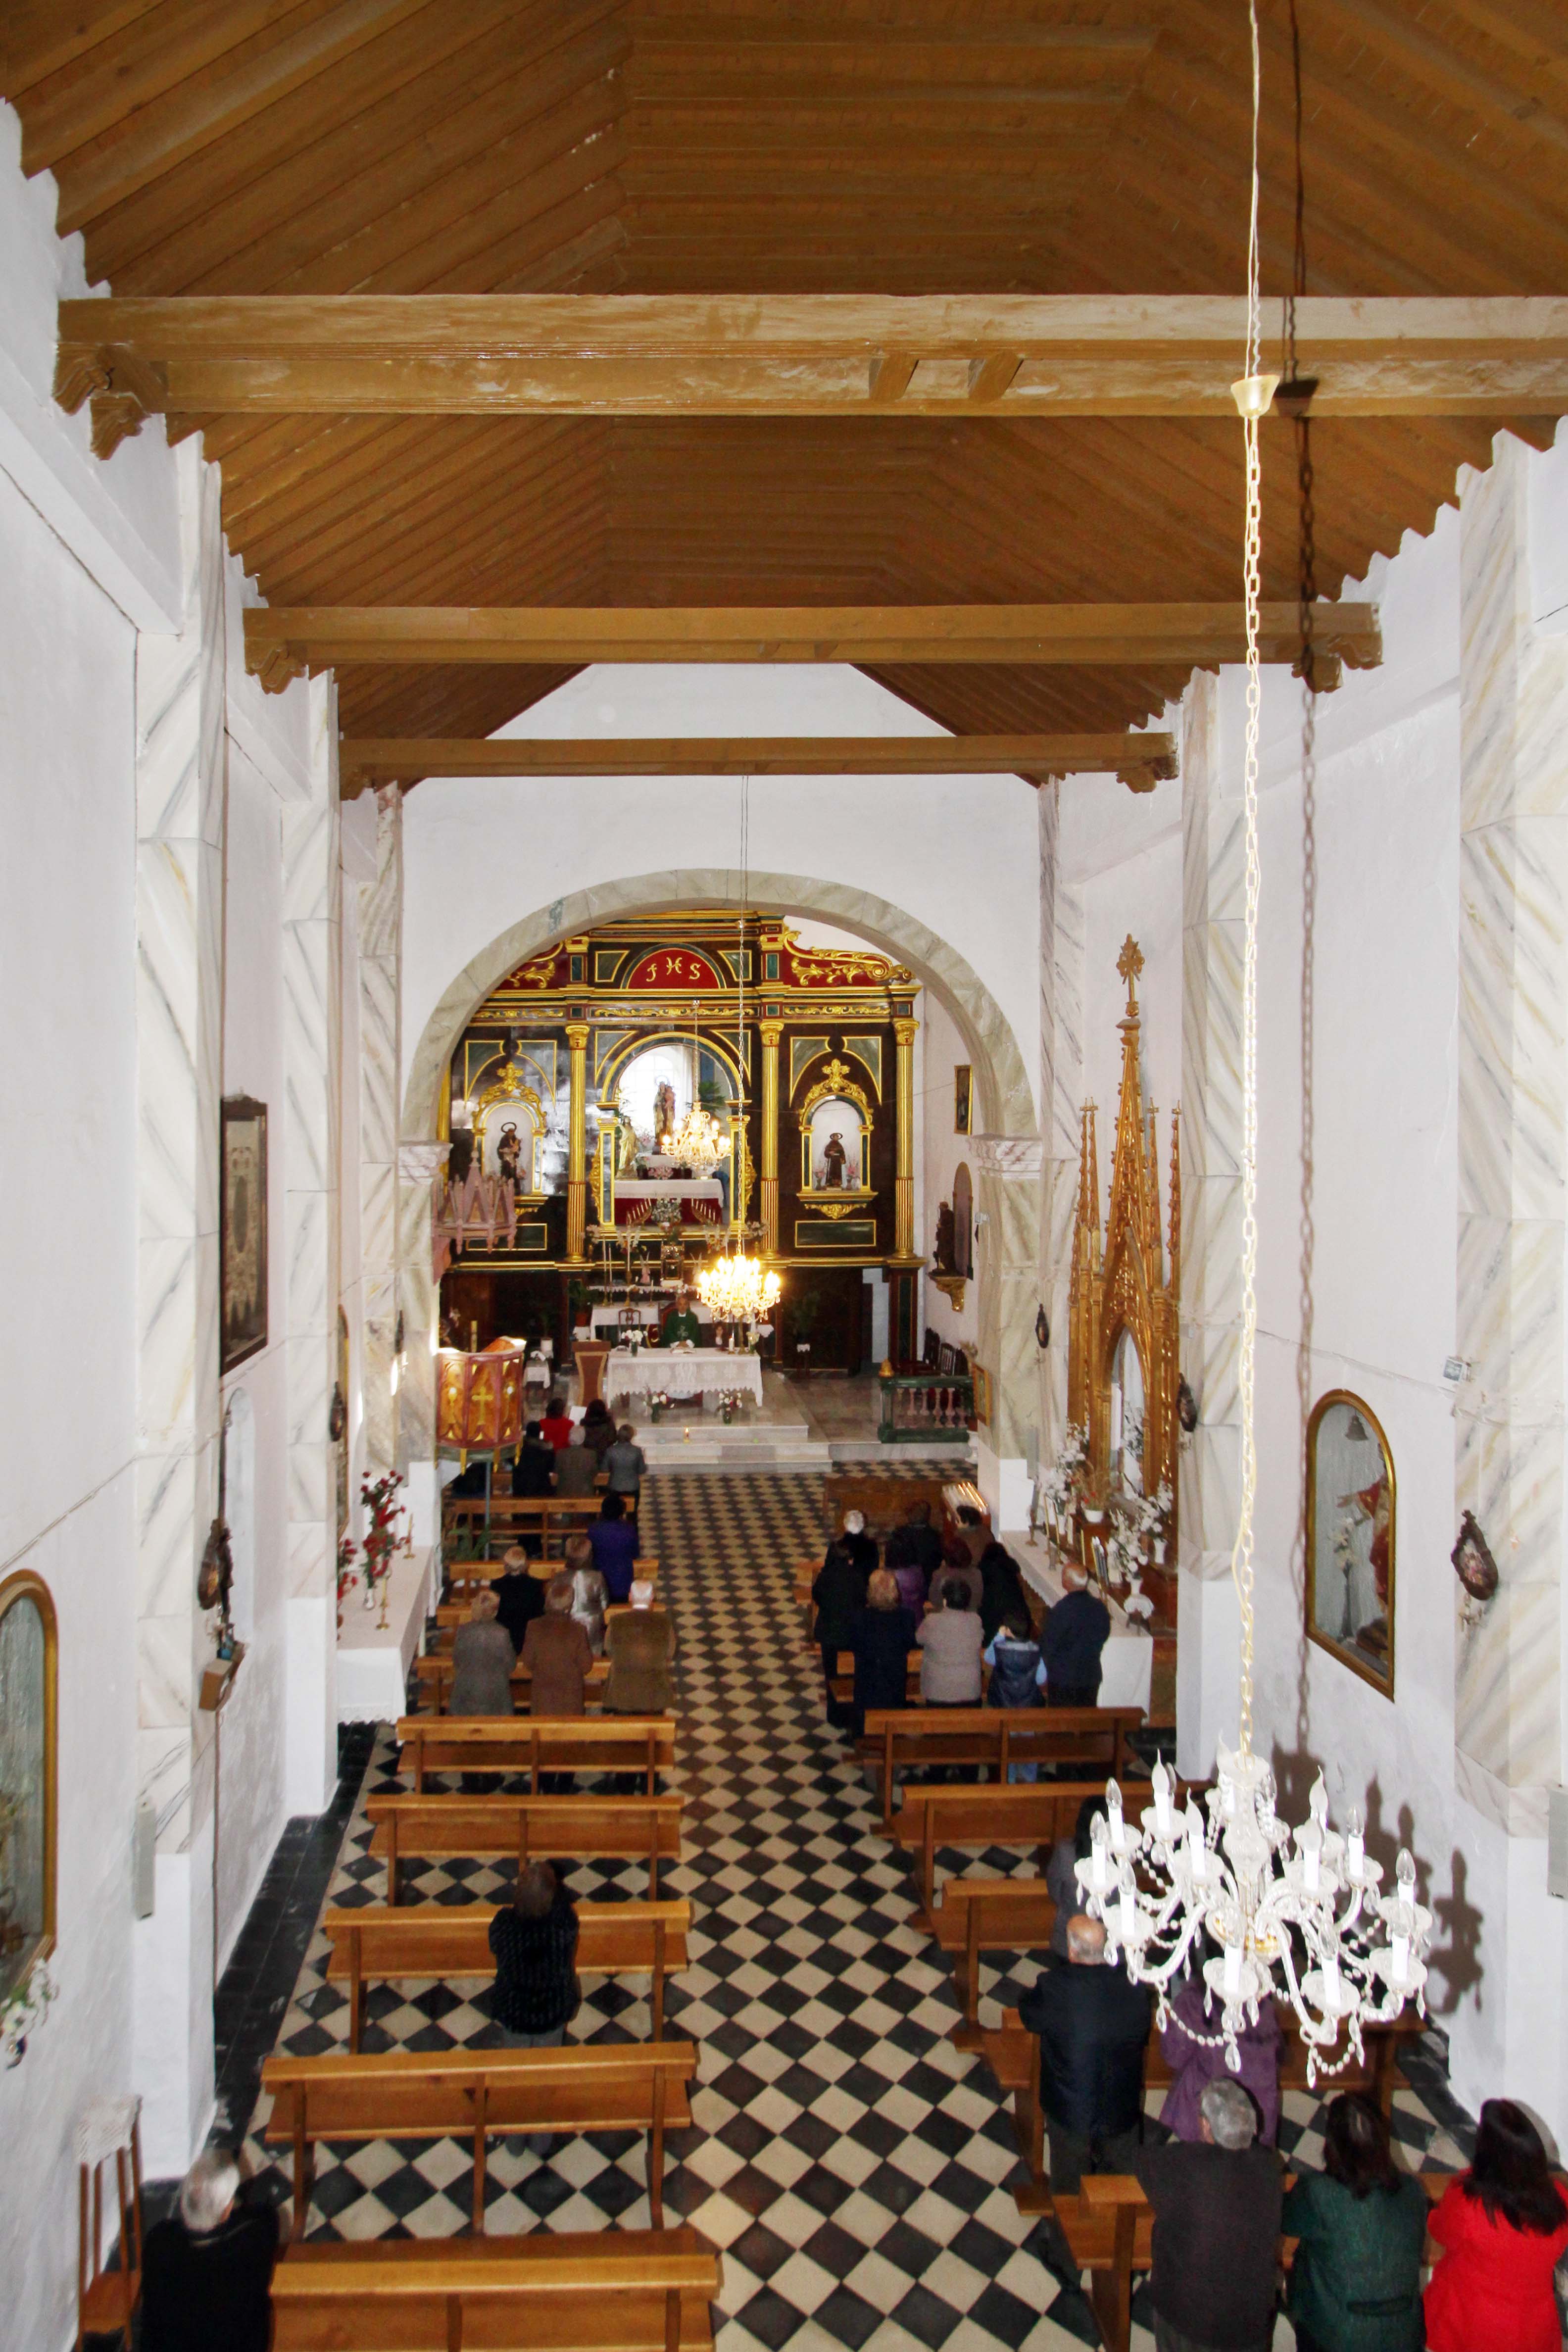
[657, 1402]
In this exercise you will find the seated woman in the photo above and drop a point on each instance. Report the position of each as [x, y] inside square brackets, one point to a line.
[1355, 2283]
[576, 1467]
[207, 2271]
[614, 1539]
[1196, 2055]
[1017, 1676]
[881, 1636]
[1504, 2228]
[837, 1595]
[590, 1595]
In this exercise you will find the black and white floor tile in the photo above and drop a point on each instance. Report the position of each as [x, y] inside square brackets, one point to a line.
[853, 2166]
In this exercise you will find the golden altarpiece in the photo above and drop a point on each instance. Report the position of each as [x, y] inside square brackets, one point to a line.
[1123, 1338]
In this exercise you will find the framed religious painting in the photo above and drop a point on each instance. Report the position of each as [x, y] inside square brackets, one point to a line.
[28, 1797]
[1351, 1537]
[242, 1230]
[963, 1099]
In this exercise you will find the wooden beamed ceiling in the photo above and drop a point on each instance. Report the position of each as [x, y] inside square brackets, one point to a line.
[795, 146]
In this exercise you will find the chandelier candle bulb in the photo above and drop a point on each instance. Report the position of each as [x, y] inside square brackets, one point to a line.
[1233, 1957]
[1311, 1840]
[1355, 1846]
[1331, 1980]
[1099, 1873]
[1164, 1822]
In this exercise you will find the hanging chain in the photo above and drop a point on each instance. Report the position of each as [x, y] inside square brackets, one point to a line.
[1241, 1555]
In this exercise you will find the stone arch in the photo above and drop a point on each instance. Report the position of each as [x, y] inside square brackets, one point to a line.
[1006, 1103]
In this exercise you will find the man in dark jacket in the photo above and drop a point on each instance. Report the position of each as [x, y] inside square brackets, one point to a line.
[1217, 2205]
[1071, 1638]
[1093, 2026]
[533, 1473]
[916, 1544]
[1001, 1588]
[839, 1595]
[861, 1547]
[207, 2271]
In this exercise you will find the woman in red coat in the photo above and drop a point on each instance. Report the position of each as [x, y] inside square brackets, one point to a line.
[1502, 2227]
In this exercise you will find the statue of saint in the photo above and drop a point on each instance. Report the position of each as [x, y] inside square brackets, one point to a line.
[834, 1157]
[943, 1254]
[508, 1155]
[663, 1113]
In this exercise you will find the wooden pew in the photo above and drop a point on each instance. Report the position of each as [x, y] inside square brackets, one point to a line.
[472, 1573]
[981, 1813]
[552, 1518]
[1109, 2229]
[1013, 2054]
[433, 1941]
[535, 1743]
[471, 2093]
[584, 1828]
[987, 1914]
[994, 1737]
[433, 1674]
[580, 2290]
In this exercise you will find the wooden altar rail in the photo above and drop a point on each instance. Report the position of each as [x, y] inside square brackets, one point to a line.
[434, 1941]
[926, 1408]
[469, 2095]
[558, 2291]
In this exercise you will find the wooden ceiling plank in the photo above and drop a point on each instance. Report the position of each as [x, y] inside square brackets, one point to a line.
[1493, 98]
[134, 67]
[281, 640]
[214, 104]
[315, 139]
[39, 37]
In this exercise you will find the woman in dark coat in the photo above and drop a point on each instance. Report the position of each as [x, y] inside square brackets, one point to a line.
[206, 2272]
[839, 1595]
[1001, 1589]
[1355, 2282]
[881, 1636]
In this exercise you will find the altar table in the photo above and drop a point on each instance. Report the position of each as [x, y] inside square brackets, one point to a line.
[654, 1310]
[374, 1661]
[680, 1372]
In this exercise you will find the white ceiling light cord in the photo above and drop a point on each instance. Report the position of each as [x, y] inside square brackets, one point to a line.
[1253, 396]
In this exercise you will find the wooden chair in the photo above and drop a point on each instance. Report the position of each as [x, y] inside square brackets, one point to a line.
[586, 1829]
[469, 2094]
[535, 1743]
[635, 2290]
[1094, 1737]
[434, 1941]
[110, 2131]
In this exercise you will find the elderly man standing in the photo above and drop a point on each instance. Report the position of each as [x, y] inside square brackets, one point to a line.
[1217, 2204]
[1093, 2025]
[1072, 1636]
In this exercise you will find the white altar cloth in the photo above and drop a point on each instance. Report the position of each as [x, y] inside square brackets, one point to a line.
[375, 1662]
[680, 1372]
[668, 1187]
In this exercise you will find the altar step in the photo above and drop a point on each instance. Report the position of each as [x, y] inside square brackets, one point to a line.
[702, 1443]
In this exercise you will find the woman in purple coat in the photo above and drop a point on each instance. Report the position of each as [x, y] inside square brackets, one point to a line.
[1196, 2056]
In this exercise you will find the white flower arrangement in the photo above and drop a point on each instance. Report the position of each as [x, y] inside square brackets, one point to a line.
[25, 2006]
[1058, 1487]
[1151, 1512]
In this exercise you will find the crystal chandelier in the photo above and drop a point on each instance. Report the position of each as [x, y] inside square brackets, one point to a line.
[697, 1142]
[738, 1290]
[1309, 1925]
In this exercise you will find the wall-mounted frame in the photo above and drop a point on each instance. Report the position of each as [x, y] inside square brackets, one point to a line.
[963, 1099]
[1350, 1596]
[29, 1791]
[982, 1380]
[242, 1230]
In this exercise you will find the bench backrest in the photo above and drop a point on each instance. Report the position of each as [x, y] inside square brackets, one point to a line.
[545, 2290]
[586, 1829]
[440, 1939]
[487, 1743]
[412, 2094]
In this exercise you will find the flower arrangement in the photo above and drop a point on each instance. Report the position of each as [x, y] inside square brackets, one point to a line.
[730, 1402]
[347, 1548]
[1150, 1512]
[1060, 1485]
[379, 1498]
[657, 1402]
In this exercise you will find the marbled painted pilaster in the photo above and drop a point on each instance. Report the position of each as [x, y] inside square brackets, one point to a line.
[1513, 1117]
[1007, 1248]
[380, 966]
[313, 997]
[419, 1165]
[1213, 910]
[1061, 1092]
[180, 815]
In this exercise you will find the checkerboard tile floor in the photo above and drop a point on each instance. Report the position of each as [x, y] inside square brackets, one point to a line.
[851, 2164]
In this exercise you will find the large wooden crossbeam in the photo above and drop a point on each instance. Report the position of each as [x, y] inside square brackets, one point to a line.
[810, 354]
[1140, 760]
[282, 641]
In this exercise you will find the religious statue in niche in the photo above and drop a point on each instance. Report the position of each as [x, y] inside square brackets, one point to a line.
[242, 1239]
[1349, 1537]
[833, 1160]
[508, 1155]
[663, 1112]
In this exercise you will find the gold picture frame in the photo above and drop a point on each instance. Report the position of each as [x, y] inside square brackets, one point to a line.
[242, 1231]
[37, 1827]
[981, 1382]
[1351, 1592]
[963, 1099]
